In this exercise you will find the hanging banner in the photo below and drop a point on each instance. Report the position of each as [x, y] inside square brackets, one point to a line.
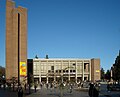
[23, 69]
[97, 70]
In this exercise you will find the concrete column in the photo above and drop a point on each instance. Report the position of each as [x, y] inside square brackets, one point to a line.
[47, 78]
[54, 78]
[83, 71]
[76, 71]
[61, 65]
[61, 75]
[54, 72]
[89, 71]
[39, 71]
[40, 79]
[69, 71]
[87, 67]
[47, 71]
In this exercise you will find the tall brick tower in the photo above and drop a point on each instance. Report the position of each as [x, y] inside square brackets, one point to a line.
[16, 38]
[95, 67]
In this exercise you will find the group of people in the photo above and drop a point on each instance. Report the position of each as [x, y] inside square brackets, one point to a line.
[93, 88]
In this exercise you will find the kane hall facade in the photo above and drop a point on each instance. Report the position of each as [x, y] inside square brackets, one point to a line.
[70, 69]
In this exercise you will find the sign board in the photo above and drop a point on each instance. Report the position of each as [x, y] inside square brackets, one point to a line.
[97, 70]
[23, 69]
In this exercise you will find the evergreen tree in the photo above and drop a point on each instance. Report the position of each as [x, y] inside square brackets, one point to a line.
[102, 74]
[116, 69]
[108, 75]
[2, 71]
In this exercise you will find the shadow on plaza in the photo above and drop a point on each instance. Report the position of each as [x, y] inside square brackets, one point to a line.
[30, 92]
[56, 93]
[59, 94]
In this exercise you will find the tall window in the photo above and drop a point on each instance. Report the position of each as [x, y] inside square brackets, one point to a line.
[52, 68]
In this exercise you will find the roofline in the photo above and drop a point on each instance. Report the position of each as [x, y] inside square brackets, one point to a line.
[61, 59]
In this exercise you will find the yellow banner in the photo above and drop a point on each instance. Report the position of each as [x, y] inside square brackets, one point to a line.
[97, 70]
[23, 69]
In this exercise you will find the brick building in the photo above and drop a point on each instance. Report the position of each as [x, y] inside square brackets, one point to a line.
[16, 38]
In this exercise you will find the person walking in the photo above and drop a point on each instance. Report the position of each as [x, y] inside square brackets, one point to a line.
[95, 91]
[35, 86]
[108, 87]
[41, 85]
[71, 87]
[91, 90]
[20, 91]
[47, 85]
[25, 86]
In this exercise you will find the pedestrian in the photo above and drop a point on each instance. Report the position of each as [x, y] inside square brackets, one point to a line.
[91, 90]
[99, 86]
[41, 85]
[55, 87]
[20, 91]
[95, 91]
[51, 86]
[35, 86]
[47, 85]
[82, 84]
[25, 86]
[71, 87]
[108, 87]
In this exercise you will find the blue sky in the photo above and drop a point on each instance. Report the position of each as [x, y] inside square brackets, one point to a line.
[69, 29]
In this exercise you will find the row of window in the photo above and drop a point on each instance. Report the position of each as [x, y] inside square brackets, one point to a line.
[43, 68]
[59, 71]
